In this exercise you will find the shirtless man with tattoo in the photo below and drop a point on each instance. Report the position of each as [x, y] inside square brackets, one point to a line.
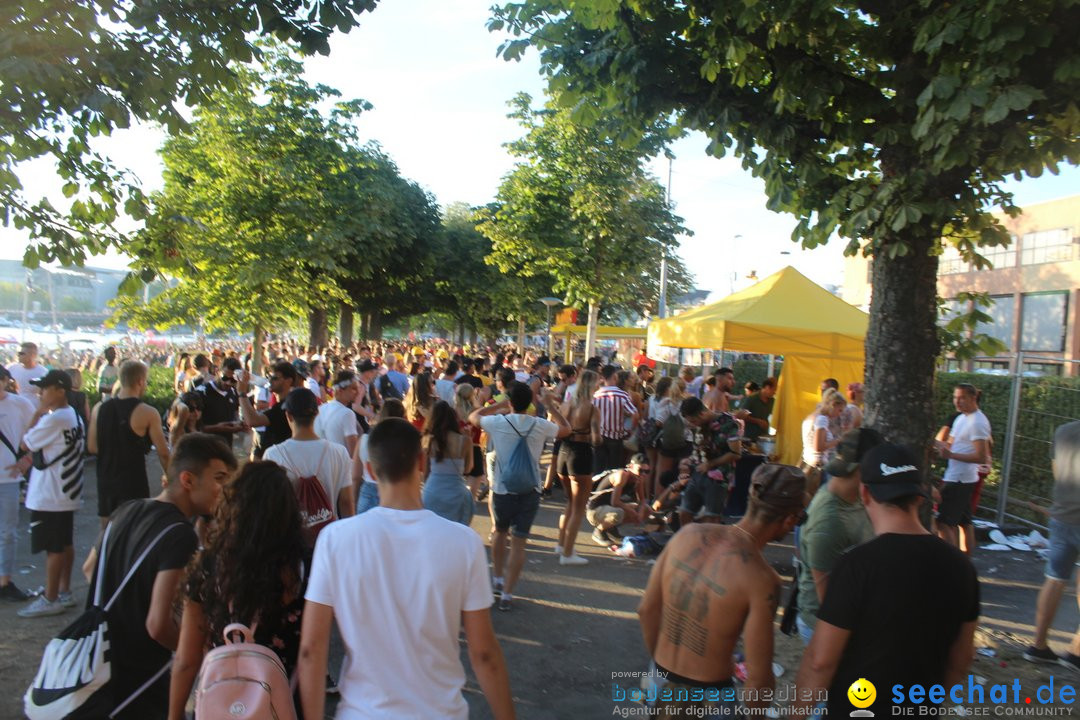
[712, 585]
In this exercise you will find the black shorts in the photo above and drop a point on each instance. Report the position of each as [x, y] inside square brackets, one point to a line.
[477, 462]
[51, 532]
[955, 506]
[575, 458]
[517, 511]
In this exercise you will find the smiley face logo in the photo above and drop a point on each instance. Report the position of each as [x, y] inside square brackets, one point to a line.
[862, 693]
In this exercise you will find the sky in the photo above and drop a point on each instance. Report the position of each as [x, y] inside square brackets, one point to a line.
[439, 92]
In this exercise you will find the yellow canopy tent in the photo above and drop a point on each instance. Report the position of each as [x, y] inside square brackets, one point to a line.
[786, 314]
[602, 332]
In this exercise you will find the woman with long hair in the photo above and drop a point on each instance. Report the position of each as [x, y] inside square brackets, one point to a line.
[251, 572]
[419, 400]
[185, 371]
[185, 416]
[665, 405]
[819, 443]
[575, 463]
[448, 459]
[465, 397]
[365, 487]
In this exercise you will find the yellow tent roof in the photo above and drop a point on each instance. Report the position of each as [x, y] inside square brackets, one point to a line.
[784, 314]
[602, 331]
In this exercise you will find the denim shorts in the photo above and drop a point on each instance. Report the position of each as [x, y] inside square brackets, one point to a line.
[1064, 548]
[517, 511]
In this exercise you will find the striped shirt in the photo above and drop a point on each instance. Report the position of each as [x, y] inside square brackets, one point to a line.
[615, 408]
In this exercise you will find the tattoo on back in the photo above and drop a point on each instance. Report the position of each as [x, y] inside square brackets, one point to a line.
[682, 631]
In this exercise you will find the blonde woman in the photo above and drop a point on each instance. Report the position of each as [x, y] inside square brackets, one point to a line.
[465, 396]
[819, 443]
[575, 463]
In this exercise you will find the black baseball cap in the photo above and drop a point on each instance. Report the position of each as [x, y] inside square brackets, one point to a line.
[891, 471]
[301, 403]
[366, 365]
[853, 446]
[53, 378]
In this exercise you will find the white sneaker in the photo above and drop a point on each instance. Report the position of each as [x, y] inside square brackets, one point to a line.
[572, 559]
[41, 607]
[66, 599]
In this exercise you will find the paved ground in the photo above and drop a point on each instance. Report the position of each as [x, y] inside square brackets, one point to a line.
[573, 627]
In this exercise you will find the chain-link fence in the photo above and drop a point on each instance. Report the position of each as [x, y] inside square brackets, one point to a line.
[1025, 399]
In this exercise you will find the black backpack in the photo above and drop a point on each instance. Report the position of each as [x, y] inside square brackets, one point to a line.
[388, 390]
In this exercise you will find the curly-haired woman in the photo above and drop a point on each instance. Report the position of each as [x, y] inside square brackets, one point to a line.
[251, 572]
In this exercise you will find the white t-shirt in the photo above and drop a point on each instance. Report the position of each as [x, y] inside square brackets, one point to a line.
[810, 427]
[966, 429]
[336, 422]
[445, 389]
[57, 488]
[15, 415]
[503, 439]
[398, 604]
[314, 386]
[362, 450]
[23, 376]
[319, 458]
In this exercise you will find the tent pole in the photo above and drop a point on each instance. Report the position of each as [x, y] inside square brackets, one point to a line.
[772, 365]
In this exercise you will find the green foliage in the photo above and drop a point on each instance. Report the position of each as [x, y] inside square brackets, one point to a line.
[159, 388]
[258, 219]
[579, 207]
[74, 70]
[959, 331]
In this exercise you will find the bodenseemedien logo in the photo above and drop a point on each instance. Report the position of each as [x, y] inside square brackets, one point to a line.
[862, 694]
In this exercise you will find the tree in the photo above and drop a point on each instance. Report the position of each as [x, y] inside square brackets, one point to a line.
[580, 207]
[77, 69]
[891, 124]
[249, 220]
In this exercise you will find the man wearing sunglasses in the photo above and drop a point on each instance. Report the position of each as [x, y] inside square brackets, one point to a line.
[271, 423]
[711, 586]
[222, 402]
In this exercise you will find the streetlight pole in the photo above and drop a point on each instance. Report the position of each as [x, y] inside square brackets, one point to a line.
[549, 303]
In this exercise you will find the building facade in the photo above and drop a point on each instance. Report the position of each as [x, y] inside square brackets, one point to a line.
[1034, 285]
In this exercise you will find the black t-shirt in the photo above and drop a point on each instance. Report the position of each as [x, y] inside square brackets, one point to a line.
[278, 431]
[904, 598]
[471, 379]
[137, 657]
[219, 407]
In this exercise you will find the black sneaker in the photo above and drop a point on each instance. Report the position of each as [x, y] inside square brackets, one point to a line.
[602, 538]
[505, 603]
[615, 535]
[1041, 655]
[12, 593]
[1070, 661]
[331, 685]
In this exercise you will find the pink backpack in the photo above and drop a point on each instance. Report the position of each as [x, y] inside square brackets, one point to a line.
[243, 680]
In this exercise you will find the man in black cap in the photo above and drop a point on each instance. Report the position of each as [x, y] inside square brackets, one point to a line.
[55, 444]
[835, 522]
[900, 609]
[711, 586]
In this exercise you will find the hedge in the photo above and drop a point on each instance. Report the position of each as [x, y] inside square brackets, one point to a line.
[159, 389]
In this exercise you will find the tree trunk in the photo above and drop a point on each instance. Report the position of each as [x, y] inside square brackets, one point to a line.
[345, 324]
[461, 331]
[902, 346]
[472, 337]
[375, 322]
[318, 332]
[258, 340]
[590, 331]
[521, 334]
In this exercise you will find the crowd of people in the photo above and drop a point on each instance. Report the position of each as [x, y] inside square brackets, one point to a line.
[308, 488]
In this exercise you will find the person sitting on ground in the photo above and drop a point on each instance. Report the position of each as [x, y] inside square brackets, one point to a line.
[711, 587]
[251, 572]
[717, 446]
[607, 509]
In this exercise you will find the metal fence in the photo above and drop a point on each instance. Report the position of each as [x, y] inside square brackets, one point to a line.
[1025, 405]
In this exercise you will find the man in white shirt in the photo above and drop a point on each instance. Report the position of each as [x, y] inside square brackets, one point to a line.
[305, 454]
[55, 490]
[336, 421]
[400, 607]
[967, 448]
[26, 370]
[15, 415]
[517, 510]
[445, 386]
